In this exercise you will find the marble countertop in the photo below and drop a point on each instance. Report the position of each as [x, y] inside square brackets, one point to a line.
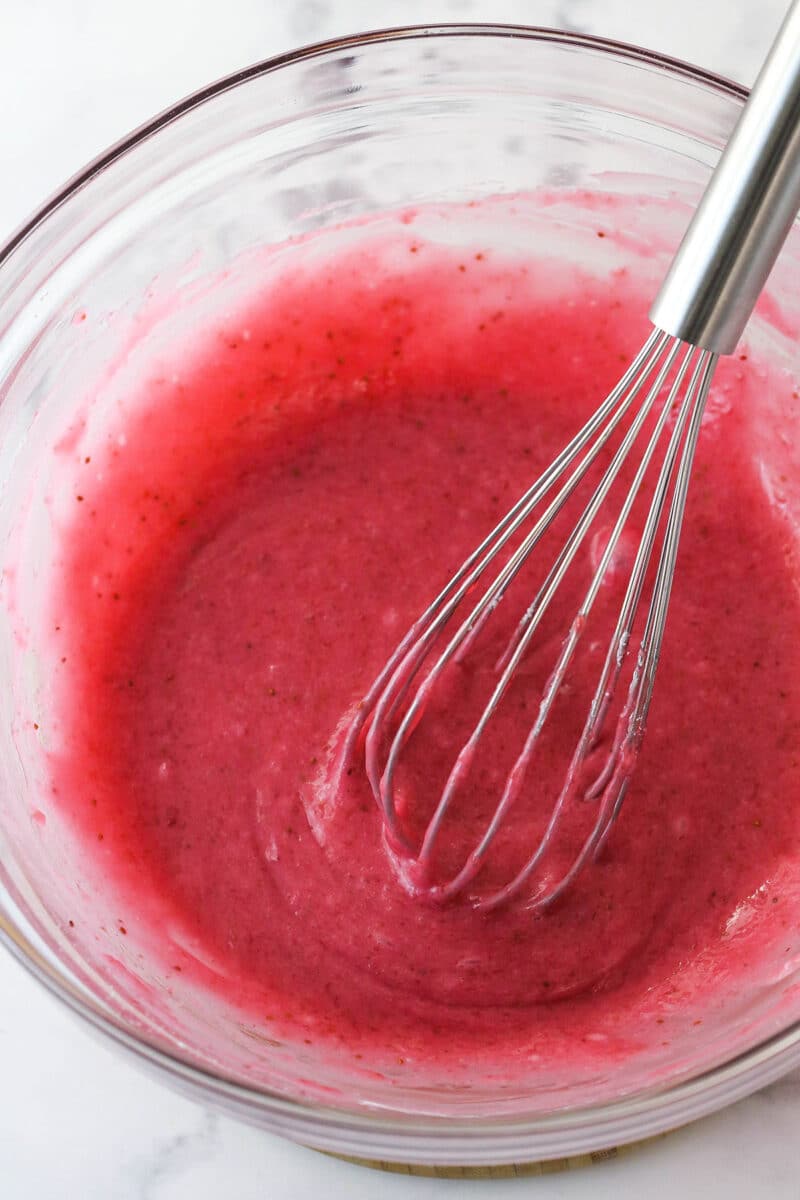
[76, 1121]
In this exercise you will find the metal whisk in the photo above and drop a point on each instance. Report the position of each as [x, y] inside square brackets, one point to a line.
[656, 411]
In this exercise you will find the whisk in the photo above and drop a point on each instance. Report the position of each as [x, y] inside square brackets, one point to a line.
[656, 408]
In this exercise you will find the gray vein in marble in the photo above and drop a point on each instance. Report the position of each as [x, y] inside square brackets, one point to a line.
[569, 15]
[308, 20]
[172, 1156]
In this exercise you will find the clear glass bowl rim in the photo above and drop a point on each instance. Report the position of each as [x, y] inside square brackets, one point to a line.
[644, 1113]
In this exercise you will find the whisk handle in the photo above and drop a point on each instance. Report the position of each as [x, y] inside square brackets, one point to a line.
[746, 213]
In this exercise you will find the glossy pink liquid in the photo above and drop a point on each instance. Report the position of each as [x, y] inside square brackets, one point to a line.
[278, 517]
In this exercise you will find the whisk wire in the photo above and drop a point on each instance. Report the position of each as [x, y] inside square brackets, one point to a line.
[391, 712]
[410, 664]
[391, 686]
[613, 780]
[531, 621]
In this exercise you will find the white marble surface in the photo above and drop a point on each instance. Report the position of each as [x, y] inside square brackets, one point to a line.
[75, 1121]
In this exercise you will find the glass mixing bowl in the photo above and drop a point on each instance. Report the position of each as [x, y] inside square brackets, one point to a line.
[287, 147]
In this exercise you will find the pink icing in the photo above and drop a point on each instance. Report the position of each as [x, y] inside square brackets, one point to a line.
[281, 512]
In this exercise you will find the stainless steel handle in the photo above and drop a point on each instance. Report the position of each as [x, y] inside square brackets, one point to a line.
[746, 213]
